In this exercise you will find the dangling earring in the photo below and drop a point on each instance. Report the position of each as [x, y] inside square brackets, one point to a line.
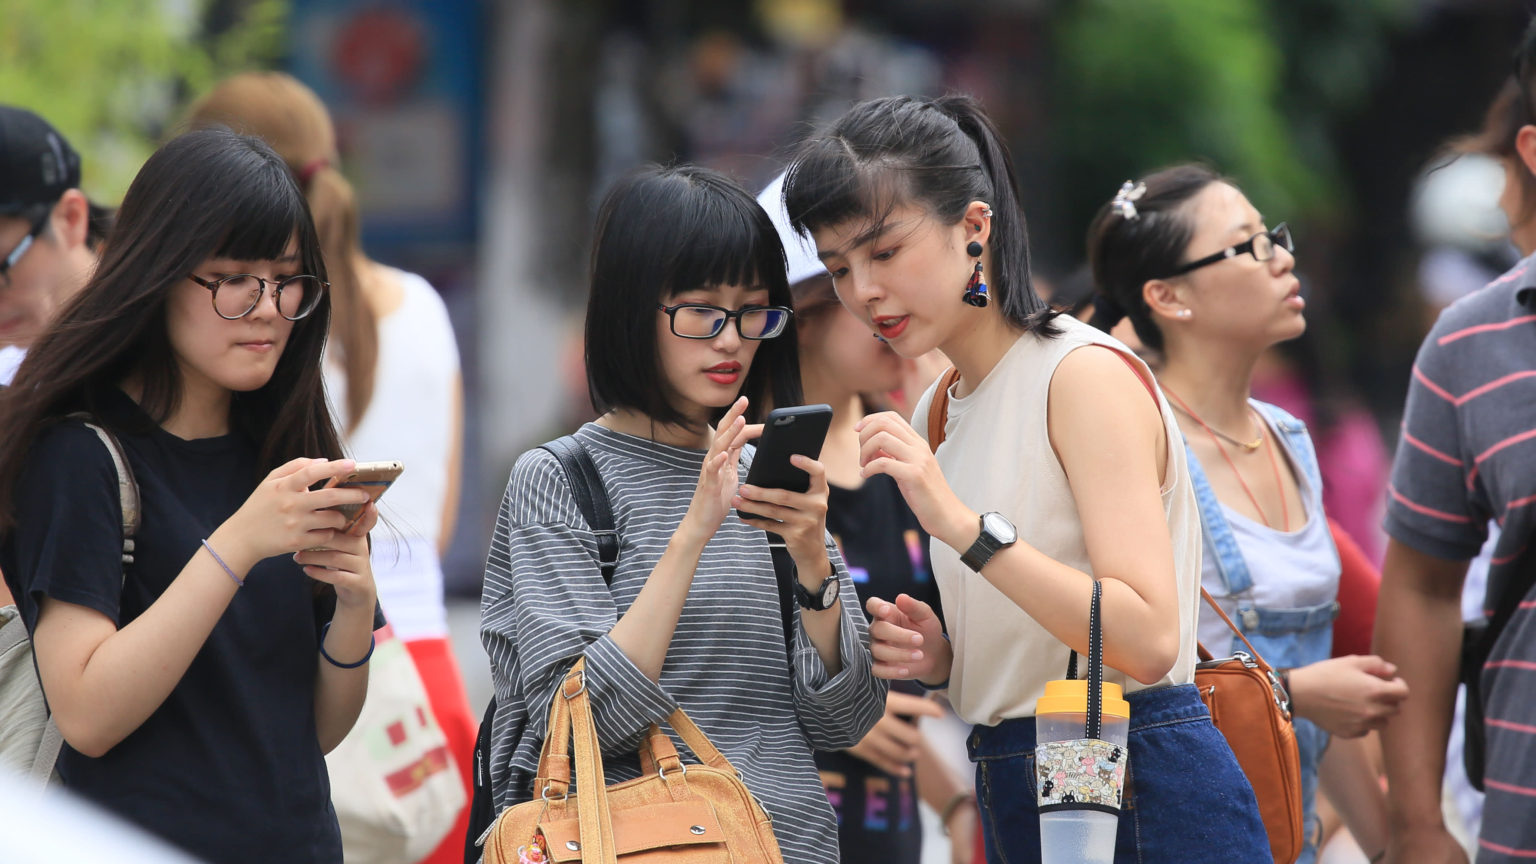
[976, 289]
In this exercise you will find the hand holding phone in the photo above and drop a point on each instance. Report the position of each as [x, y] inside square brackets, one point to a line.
[373, 477]
[796, 430]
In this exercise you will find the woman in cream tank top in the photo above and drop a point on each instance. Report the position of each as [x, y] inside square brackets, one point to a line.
[1060, 466]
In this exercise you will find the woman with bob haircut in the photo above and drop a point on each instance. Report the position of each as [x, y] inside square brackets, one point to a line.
[1187, 258]
[689, 336]
[1059, 467]
[199, 685]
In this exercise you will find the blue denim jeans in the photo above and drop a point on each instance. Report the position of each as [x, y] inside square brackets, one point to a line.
[1186, 799]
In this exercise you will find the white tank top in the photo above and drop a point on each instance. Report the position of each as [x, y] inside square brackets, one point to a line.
[997, 455]
[408, 419]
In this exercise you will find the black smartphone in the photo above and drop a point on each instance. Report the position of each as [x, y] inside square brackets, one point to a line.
[797, 429]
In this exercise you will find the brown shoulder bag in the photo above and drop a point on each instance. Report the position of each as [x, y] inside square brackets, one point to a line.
[673, 813]
[1252, 710]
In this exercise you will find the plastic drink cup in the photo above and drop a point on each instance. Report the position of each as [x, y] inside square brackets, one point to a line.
[1079, 780]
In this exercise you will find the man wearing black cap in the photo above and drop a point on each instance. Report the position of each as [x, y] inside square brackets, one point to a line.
[48, 230]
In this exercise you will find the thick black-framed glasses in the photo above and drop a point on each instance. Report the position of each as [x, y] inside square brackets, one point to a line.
[703, 321]
[1261, 246]
[38, 223]
[234, 296]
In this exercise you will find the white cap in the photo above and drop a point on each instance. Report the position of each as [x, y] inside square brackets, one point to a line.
[798, 250]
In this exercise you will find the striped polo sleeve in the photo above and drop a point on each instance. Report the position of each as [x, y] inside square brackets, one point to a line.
[1431, 505]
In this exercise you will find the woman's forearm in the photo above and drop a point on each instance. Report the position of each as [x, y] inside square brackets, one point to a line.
[645, 631]
[339, 692]
[825, 626]
[102, 682]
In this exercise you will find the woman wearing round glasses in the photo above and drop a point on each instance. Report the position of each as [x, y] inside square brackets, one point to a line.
[199, 675]
[688, 337]
[1187, 258]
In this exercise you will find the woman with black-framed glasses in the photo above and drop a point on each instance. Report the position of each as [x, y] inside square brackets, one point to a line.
[692, 615]
[1187, 258]
[199, 673]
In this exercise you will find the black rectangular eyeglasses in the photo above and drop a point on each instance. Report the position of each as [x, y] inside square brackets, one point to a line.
[703, 321]
[1261, 246]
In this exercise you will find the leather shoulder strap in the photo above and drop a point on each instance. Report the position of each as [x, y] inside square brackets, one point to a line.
[1206, 654]
[938, 409]
[591, 499]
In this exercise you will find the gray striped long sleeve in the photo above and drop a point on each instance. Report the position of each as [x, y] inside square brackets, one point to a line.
[545, 604]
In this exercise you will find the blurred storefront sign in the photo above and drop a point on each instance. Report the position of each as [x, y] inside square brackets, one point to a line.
[402, 81]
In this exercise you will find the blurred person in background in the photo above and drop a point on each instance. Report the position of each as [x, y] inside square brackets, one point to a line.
[1052, 427]
[199, 683]
[49, 235]
[49, 231]
[1468, 455]
[689, 332]
[1188, 260]
[874, 785]
[392, 376]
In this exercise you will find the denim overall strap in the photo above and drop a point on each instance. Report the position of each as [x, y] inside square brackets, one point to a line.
[1218, 534]
[1297, 440]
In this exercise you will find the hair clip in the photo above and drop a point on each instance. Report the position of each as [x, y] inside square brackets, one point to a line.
[1125, 200]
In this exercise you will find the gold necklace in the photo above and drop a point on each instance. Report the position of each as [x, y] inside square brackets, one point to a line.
[1247, 446]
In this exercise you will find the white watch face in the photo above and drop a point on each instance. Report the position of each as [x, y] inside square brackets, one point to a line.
[829, 593]
[1000, 528]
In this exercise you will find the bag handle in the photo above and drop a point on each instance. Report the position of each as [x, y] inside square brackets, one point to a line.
[1205, 655]
[1094, 728]
[938, 409]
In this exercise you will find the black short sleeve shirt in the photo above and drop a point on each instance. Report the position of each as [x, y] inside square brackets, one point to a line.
[229, 766]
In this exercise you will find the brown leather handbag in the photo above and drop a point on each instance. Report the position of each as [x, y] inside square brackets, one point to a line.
[1250, 707]
[673, 813]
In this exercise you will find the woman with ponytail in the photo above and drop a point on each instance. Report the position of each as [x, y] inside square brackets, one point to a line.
[1056, 433]
[1187, 258]
[392, 375]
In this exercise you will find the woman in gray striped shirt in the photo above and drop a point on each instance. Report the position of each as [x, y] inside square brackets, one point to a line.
[688, 332]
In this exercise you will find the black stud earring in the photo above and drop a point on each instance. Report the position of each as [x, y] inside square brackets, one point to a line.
[976, 289]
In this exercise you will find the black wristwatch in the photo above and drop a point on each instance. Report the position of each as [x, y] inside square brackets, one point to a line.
[820, 599]
[996, 533]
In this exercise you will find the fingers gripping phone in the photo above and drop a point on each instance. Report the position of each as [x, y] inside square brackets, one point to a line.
[375, 478]
[799, 429]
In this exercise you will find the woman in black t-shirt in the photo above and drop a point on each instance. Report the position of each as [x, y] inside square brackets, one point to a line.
[198, 686]
[873, 786]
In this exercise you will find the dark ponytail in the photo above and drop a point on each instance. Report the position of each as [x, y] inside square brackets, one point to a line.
[1131, 246]
[941, 154]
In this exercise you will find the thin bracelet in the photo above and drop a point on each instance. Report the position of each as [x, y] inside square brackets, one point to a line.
[239, 583]
[952, 805]
[337, 663]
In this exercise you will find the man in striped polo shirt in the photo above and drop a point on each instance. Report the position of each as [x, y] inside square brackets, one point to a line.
[1467, 455]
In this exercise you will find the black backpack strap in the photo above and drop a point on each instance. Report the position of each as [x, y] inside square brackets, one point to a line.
[786, 573]
[591, 499]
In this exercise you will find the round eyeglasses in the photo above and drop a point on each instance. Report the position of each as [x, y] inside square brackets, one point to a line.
[1261, 246]
[236, 295]
[703, 321]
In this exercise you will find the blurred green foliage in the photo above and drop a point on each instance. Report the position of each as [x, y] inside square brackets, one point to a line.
[112, 75]
[1255, 87]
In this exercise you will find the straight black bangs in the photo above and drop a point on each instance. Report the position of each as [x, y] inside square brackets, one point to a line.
[260, 219]
[707, 239]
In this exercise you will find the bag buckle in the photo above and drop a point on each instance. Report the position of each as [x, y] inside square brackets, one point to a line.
[581, 680]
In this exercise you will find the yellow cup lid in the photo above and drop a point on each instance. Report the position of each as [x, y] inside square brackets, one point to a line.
[1071, 697]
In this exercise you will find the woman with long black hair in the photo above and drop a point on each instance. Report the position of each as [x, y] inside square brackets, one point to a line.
[198, 687]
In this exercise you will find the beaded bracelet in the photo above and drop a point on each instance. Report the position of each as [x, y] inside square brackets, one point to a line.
[239, 583]
[338, 664]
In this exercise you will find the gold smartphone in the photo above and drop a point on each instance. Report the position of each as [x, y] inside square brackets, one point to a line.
[374, 477]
